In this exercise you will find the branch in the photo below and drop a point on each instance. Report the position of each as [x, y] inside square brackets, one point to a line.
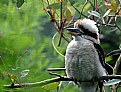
[115, 69]
[41, 83]
[61, 22]
[63, 35]
[117, 65]
[83, 7]
[56, 69]
[114, 52]
[62, 78]
[58, 27]
[79, 11]
[55, 46]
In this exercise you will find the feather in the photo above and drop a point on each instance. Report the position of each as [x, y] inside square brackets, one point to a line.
[100, 51]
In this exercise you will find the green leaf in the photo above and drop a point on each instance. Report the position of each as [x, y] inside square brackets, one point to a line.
[51, 86]
[112, 6]
[14, 69]
[87, 6]
[19, 3]
[1, 74]
[68, 14]
[12, 77]
[94, 13]
[112, 82]
[55, 5]
[114, 1]
[24, 73]
[120, 46]
[107, 12]
[108, 59]
[58, 1]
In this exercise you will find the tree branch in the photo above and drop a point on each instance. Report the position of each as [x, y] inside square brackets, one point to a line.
[83, 7]
[62, 78]
[41, 83]
[115, 69]
[56, 69]
[61, 22]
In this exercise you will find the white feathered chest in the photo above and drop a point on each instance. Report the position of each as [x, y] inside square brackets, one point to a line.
[82, 60]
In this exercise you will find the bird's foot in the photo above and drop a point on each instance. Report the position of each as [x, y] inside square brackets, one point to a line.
[93, 80]
[77, 82]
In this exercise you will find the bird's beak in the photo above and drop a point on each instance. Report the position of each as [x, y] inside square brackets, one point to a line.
[74, 31]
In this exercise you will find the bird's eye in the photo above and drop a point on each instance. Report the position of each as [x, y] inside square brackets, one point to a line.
[81, 27]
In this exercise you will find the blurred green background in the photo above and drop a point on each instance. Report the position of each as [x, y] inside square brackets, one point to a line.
[26, 47]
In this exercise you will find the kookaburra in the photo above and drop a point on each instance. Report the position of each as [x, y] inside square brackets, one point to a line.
[84, 59]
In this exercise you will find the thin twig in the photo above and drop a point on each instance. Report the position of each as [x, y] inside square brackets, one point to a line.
[53, 19]
[115, 70]
[57, 26]
[61, 22]
[55, 46]
[64, 36]
[56, 69]
[61, 10]
[94, 7]
[118, 27]
[55, 74]
[114, 52]
[83, 7]
[79, 11]
[117, 64]
[110, 25]
[48, 4]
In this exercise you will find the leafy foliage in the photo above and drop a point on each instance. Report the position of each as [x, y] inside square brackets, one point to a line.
[25, 38]
[25, 44]
[19, 3]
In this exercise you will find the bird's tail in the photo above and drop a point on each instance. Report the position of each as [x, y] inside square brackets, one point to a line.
[88, 86]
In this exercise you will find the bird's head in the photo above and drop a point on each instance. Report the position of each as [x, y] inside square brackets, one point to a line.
[85, 27]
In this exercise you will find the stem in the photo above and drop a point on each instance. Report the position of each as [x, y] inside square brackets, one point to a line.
[61, 22]
[83, 7]
[58, 79]
[94, 8]
[117, 65]
[55, 46]
[41, 83]
[115, 69]
[56, 69]
[61, 16]
[63, 35]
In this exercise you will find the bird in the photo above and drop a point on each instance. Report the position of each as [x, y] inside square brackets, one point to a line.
[84, 58]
